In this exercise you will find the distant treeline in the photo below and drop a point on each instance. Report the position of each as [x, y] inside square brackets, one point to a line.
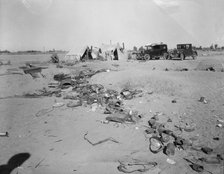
[32, 52]
[213, 47]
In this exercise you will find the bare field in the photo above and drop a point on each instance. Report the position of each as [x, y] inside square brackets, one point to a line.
[55, 140]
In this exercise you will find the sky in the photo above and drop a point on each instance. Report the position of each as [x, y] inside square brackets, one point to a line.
[65, 24]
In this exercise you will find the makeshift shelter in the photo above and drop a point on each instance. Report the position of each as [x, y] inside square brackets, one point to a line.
[82, 54]
[95, 51]
[90, 53]
[211, 65]
[113, 52]
[75, 54]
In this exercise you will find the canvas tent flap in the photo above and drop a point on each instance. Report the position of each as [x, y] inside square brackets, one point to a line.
[109, 50]
[75, 53]
[95, 52]
[109, 47]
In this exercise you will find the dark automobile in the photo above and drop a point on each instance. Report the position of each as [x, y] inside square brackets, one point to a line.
[182, 51]
[153, 51]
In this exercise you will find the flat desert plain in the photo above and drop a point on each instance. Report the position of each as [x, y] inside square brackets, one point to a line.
[54, 143]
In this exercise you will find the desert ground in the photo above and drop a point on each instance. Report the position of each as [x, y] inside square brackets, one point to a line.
[53, 142]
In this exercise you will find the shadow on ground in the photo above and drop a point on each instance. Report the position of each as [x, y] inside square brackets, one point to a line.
[14, 162]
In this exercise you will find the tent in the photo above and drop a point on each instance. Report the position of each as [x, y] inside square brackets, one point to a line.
[113, 52]
[95, 52]
[75, 54]
[90, 53]
[82, 53]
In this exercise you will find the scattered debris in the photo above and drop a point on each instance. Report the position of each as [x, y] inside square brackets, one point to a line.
[38, 164]
[169, 149]
[103, 121]
[189, 128]
[128, 94]
[40, 93]
[99, 142]
[66, 83]
[184, 69]
[131, 167]
[149, 131]
[221, 121]
[207, 150]
[79, 91]
[115, 65]
[54, 58]
[182, 143]
[155, 144]
[43, 112]
[219, 125]
[73, 104]
[174, 101]
[58, 105]
[216, 138]
[155, 117]
[61, 76]
[58, 141]
[211, 160]
[210, 69]
[33, 70]
[53, 84]
[170, 161]
[4, 134]
[169, 120]
[202, 99]
[197, 167]
[94, 107]
[165, 138]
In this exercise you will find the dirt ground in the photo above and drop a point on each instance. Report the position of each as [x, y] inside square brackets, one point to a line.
[54, 143]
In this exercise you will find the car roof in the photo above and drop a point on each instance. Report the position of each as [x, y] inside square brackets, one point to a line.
[155, 44]
[184, 44]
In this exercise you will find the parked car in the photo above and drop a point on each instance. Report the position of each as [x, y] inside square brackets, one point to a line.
[153, 51]
[182, 51]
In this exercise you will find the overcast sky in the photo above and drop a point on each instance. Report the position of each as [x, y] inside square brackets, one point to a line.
[63, 24]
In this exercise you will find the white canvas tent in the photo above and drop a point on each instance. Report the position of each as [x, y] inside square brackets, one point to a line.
[108, 51]
[75, 54]
[95, 52]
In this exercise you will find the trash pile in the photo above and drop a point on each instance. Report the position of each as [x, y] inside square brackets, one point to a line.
[77, 90]
[54, 58]
[167, 141]
[80, 92]
[34, 71]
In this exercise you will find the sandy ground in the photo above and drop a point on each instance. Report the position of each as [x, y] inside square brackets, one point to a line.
[55, 140]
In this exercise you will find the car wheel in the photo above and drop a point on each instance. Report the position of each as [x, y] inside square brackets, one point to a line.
[146, 57]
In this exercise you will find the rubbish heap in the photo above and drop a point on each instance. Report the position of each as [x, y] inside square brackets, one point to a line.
[80, 92]
[95, 95]
[163, 139]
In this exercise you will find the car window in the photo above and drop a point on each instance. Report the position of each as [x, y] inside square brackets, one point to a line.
[156, 47]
